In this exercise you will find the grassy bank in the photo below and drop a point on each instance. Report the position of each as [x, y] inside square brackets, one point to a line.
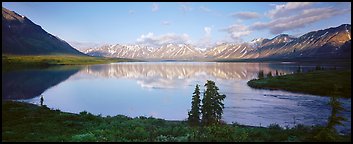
[15, 62]
[323, 82]
[57, 60]
[27, 122]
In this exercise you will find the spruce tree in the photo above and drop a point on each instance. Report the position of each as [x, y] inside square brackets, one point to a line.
[212, 104]
[299, 69]
[207, 109]
[336, 108]
[269, 74]
[194, 113]
[261, 74]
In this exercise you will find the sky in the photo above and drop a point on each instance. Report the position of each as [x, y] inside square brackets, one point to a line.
[203, 24]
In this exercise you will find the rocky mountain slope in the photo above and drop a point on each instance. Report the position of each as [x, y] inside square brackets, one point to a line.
[21, 36]
[169, 51]
[333, 42]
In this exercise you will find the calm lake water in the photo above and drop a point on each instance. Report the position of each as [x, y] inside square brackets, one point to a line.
[164, 90]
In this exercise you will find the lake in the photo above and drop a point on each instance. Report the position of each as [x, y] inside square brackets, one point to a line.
[164, 90]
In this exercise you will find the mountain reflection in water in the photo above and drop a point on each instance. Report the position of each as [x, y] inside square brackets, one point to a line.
[164, 90]
[31, 83]
[172, 75]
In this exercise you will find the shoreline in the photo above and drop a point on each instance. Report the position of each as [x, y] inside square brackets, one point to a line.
[322, 83]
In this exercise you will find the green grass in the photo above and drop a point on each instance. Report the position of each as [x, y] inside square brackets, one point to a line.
[324, 83]
[15, 62]
[58, 59]
[27, 122]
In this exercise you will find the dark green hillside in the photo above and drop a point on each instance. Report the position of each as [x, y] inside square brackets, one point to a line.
[21, 36]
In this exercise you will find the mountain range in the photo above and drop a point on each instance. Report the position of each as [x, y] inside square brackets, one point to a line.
[334, 42]
[21, 36]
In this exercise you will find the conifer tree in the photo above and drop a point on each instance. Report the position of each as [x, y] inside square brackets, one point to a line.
[336, 108]
[269, 74]
[212, 104]
[194, 113]
[261, 74]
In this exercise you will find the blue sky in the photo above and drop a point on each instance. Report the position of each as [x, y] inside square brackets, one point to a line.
[203, 24]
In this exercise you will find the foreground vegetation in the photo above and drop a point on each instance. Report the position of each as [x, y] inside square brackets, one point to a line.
[27, 122]
[321, 82]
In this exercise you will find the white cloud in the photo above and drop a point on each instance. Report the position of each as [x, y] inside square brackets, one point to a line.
[131, 12]
[225, 39]
[150, 39]
[300, 20]
[236, 31]
[156, 41]
[185, 7]
[210, 11]
[208, 31]
[155, 7]
[165, 22]
[79, 45]
[288, 9]
[206, 40]
[246, 15]
[205, 9]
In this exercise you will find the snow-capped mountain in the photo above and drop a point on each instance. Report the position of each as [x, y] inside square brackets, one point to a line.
[176, 51]
[168, 51]
[333, 42]
[122, 51]
[328, 43]
[257, 42]
[229, 51]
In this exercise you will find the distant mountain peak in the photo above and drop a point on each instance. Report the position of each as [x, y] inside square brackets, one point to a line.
[284, 36]
[331, 42]
[257, 40]
[343, 25]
